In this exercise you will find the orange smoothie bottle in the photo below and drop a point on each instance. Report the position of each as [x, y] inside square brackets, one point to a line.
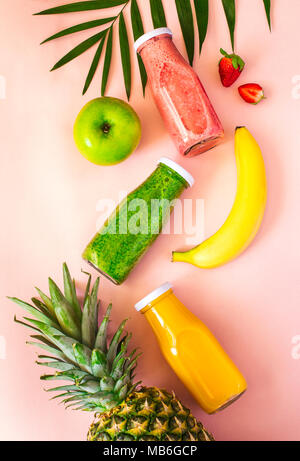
[179, 95]
[192, 351]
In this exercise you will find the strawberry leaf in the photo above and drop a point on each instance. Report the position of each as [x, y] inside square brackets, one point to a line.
[224, 53]
[234, 62]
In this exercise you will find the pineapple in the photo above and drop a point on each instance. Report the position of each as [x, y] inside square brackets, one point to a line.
[100, 373]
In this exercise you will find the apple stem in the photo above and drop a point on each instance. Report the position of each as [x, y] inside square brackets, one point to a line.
[105, 128]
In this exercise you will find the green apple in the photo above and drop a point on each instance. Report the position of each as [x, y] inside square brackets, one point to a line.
[107, 130]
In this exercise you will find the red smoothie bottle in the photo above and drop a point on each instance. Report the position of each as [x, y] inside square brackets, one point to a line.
[179, 95]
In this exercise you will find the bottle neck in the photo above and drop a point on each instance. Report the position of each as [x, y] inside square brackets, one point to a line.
[168, 317]
[155, 51]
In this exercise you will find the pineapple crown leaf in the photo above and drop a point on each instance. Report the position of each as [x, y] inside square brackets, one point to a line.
[99, 371]
[70, 291]
[34, 311]
[88, 285]
[115, 343]
[25, 324]
[47, 302]
[101, 338]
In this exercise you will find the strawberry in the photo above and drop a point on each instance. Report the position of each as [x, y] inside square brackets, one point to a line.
[230, 68]
[252, 93]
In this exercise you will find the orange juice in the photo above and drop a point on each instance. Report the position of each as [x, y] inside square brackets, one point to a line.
[192, 351]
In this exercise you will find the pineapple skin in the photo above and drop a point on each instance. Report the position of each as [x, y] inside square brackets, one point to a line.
[148, 414]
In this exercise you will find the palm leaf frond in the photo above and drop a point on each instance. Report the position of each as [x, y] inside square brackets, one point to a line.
[104, 39]
[79, 28]
[185, 17]
[125, 54]
[94, 65]
[267, 4]
[138, 31]
[202, 10]
[229, 8]
[107, 61]
[158, 14]
[78, 50]
[82, 6]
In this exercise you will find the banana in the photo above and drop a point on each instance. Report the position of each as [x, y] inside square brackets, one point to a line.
[247, 213]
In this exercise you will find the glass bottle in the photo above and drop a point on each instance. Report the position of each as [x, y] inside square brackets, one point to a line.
[137, 222]
[179, 95]
[192, 351]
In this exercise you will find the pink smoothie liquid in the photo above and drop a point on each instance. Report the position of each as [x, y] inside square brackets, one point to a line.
[180, 97]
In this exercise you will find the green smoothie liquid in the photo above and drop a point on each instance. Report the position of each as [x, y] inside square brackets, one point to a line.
[135, 224]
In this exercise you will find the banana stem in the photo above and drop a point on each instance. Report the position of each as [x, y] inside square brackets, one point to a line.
[179, 257]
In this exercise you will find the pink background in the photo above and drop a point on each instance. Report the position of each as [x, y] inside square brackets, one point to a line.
[50, 192]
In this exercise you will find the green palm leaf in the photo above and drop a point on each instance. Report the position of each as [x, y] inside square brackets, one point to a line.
[136, 20]
[94, 65]
[202, 10]
[78, 50]
[229, 8]
[267, 4]
[185, 17]
[79, 28]
[125, 54]
[107, 61]
[138, 31]
[158, 14]
[82, 6]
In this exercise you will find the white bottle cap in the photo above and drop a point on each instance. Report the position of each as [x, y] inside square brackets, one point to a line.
[174, 166]
[153, 33]
[153, 295]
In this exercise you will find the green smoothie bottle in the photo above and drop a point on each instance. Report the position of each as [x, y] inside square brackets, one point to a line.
[137, 221]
